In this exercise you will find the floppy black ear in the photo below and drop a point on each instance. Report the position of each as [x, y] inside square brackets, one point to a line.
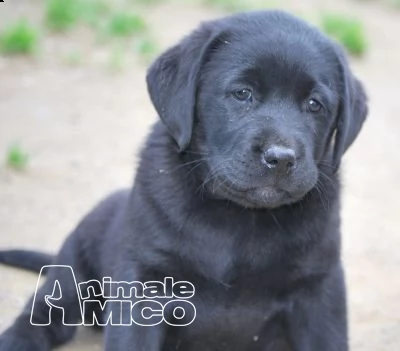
[172, 83]
[352, 113]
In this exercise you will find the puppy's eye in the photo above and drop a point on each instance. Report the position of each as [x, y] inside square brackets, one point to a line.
[314, 106]
[243, 95]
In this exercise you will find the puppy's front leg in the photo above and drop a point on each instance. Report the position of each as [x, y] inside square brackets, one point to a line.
[318, 319]
[133, 337]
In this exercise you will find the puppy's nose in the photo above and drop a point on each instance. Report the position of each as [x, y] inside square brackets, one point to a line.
[279, 158]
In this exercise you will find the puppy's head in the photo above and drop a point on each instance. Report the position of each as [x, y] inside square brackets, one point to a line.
[264, 100]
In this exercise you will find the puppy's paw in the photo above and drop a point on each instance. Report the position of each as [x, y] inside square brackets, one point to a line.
[13, 342]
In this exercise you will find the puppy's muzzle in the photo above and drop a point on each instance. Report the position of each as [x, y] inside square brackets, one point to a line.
[279, 159]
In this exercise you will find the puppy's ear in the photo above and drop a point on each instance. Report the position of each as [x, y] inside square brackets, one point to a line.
[352, 113]
[172, 83]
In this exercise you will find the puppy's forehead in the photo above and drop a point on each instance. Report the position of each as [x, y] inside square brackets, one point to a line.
[278, 53]
[274, 42]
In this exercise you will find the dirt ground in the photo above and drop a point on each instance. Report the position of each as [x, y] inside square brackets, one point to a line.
[83, 128]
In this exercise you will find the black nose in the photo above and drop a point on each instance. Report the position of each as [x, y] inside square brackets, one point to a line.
[279, 158]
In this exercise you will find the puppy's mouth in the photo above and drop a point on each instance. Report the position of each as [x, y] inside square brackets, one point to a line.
[266, 196]
[270, 197]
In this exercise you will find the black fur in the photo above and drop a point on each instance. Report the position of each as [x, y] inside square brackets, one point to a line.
[29, 260]
[259, 241]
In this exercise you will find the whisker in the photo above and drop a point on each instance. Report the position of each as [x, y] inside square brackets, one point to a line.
[327, 164]
[186, 164]
[322, 194]
[196, 153]
[329, 179]
[276, 220]
[212, 176]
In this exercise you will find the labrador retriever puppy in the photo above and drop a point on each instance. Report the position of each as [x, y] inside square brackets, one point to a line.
[237, 192]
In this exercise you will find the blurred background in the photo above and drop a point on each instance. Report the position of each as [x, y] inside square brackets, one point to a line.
[74, 112]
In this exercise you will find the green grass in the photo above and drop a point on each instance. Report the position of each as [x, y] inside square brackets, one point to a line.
[147, 49]
[92, 12]
[17, 158]
[19, 38]
[61, 15]
[348, 31]
[124, 24]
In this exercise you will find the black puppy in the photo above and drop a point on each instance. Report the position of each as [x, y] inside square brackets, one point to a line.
[237, 192]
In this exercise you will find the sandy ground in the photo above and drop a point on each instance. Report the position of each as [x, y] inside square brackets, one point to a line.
[84, 126]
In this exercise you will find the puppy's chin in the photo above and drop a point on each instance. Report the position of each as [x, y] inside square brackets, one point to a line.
[269, 197]
[266, 197]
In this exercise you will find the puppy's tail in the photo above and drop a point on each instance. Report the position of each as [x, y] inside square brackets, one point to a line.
[29, 260]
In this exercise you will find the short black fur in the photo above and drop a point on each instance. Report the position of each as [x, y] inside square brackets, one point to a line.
[237, 191]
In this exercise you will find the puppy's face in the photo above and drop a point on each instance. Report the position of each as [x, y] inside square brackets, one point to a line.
[265, 110]
[269, 94]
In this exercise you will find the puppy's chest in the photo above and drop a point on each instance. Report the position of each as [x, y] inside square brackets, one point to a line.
[241, 286]
[245, 261]
[224, 323]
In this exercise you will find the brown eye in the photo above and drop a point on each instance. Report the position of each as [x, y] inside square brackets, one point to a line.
[314, 106]
[243, 95]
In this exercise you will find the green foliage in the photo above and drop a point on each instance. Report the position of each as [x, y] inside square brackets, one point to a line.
[348, 31]
[17, 158]
[124, 24]
[146, 48]
[92, 12]
[61, 15]
[19, 38]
